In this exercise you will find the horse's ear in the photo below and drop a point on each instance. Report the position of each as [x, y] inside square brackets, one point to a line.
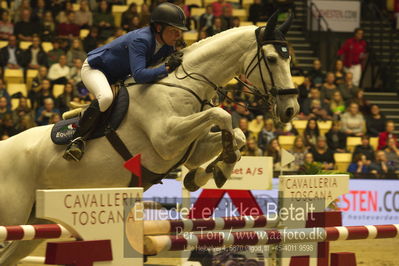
[271, 26]
[287, 24]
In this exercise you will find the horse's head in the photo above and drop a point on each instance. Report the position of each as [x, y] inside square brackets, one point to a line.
[267, 66]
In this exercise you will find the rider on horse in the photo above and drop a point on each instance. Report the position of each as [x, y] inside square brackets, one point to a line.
[131, 54]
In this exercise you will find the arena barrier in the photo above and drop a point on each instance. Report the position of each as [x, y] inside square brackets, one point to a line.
[106, 221]
[156, 244]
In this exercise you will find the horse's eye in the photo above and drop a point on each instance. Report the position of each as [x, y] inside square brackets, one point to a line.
[271, 59]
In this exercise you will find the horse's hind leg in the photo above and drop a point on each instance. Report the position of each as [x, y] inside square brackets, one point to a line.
[207, 148]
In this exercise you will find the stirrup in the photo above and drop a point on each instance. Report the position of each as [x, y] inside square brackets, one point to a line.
[75, 150]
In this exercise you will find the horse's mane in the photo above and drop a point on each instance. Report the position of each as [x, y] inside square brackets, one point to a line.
[216, 37]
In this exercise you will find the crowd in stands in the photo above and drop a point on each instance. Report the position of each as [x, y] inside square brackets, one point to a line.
[324, 96]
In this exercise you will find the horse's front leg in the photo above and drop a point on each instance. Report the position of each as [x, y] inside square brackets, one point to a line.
[207, 148]
[176, 133]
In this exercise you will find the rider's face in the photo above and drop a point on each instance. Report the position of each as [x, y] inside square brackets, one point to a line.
[171, 35]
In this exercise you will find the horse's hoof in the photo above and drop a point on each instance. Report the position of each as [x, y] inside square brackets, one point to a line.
[189, 181]
[231, 157]
[219, 177]
[229, 154]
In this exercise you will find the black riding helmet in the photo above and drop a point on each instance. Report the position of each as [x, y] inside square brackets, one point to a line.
[169, 14]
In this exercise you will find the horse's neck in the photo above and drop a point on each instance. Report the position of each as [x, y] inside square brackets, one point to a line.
[218, 58]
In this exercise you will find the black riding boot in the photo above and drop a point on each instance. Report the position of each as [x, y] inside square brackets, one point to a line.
[87, 123]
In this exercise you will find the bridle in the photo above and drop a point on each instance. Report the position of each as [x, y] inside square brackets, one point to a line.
[270, 94]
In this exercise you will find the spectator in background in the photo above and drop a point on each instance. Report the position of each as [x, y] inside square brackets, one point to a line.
[364, 106]
[227, 17]
[58, 73]
[251, 149]
[22, 109]
[4, 107]
[206, 19]
[4, 92]
[134, 24]
[274, 150]
[339, 72]
[347, 88]
[256, 12]
[128, 15]
[387, 134]
[11, 56]
[45, 112]
[240, 112]
[337, 105]
[7, 126]
[359, 165]
[75, 52]
[92, 39]
[84, 17]
[328, 88]
[43, 91]
[217, 7]
[307, 103]
[308, 158]
[304, 91]
[48, 25]
[318, 112]
[256, 125]
[299, 151]
[145, 15]
[375, 121]
[55, 118]
[366, 149]
[104, 19]
[311, 133]
[353, 52]
[118, 33]
[74, 73]
[68, 29]
[24, 123]
[39, 10]
[322, 154]
[336, 139]
[202, 35]
[353, 123]
[25, 29]
[243, 125]
[316, 74]
[392, 153]
[381, 167]
[19, 7]
[55, 53]
[236, 22]
[62, 16]
[216, 28]
[62, 101]
[35, 55]
[6, 26]
[42, 74]
[266, 134]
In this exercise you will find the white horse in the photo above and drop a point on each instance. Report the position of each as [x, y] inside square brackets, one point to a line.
[162, 122]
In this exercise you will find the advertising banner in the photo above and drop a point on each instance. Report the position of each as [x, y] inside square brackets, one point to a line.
[341, 16]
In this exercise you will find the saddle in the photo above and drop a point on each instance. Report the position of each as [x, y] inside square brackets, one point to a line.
[63, 131]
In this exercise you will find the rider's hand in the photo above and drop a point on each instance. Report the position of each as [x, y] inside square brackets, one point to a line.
[174, 61]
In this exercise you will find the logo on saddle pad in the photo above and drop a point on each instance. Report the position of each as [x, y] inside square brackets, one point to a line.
[66, 131]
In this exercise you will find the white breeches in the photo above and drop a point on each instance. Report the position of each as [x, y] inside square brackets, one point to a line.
[96, 82]
[356, 70]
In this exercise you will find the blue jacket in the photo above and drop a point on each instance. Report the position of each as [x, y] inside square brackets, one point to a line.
[131, 54]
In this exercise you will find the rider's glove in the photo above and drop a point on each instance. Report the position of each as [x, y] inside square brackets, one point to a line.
[174, 61]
